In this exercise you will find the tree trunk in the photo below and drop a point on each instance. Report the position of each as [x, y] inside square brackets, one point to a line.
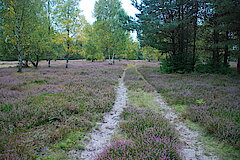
[67, 60]
[68, 49]
[37, 61]
[226, 53]
[109, 56]
[216, 55]
[194, 35]
[20, 64]
[26, 63]
[18, 31]
[49, 62]
[238, 64]
[113, 57]
[68, 36]
[49, 31]
[174, 44]
[194, 50]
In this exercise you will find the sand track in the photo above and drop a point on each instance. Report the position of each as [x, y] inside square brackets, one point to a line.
[100, 138]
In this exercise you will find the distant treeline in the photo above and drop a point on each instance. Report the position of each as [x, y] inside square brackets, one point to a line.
[186, 35]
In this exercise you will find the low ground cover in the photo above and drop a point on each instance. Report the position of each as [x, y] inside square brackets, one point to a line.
[210, 100]
[147, 134]
[51, 109]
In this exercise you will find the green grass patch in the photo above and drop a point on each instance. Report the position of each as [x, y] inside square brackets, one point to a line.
[55, 156]
[143, 100]
[180, 108]
[220, 148]
[6, 108]
[72, 141]
[40, 82]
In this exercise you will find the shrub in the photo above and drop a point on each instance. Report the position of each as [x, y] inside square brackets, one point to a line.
[179, 63]
[213, 68]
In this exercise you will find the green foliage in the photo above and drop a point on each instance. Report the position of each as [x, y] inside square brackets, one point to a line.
[200, 101]
[131, 50]
[23, 28]
[108, 33]
[143, 99]
[166, 66]
[6, 108]
[211, 68]
[180, 63]
[70, 27]
[178, 31]
[71, 141]
[92, 50]
[174, 34]
[149, 53]
[40, 82]
[44, 29]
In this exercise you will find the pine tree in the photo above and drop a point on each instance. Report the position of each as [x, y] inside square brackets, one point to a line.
[170, 26]
[228, 17]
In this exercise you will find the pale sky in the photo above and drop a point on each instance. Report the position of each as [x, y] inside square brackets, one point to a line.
[87, 6]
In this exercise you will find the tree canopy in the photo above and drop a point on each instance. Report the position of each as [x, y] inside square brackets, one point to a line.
[183, 29]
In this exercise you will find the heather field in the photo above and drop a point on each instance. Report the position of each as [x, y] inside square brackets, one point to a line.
[211, 100]
[46, 112]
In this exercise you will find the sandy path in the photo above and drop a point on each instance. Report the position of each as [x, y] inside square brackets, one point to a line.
[102, 137]
[192, 149]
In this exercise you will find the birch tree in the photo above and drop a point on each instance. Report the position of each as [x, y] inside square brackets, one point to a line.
[67, 18]
[19, 20]
[109, 27]
[2, 9]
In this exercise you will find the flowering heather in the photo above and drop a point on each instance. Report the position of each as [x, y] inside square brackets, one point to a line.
[150, 137]
[40, 107]
[211, 100]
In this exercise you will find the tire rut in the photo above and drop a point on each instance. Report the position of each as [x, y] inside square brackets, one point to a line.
[192, 149]
[100, 138]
